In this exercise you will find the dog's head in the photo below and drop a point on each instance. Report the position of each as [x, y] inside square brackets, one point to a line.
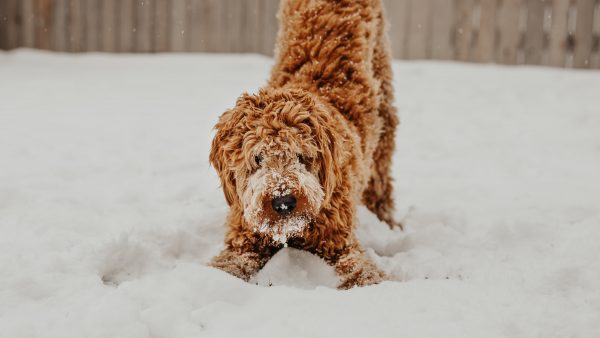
[279, 156]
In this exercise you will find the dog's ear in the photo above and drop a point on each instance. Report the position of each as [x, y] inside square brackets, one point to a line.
[334, 150]
[224, 148]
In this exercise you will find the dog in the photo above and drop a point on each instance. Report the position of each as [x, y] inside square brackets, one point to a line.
[295, 159]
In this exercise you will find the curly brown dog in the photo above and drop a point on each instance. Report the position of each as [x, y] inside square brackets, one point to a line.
[298, 157]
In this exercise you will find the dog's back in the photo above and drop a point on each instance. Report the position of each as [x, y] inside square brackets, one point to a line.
[329, 47]
[338, 50]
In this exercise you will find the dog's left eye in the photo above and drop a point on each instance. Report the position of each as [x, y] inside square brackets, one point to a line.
[301, 159]
[258, 160]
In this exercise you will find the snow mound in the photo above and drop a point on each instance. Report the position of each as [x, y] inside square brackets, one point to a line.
[296, 268]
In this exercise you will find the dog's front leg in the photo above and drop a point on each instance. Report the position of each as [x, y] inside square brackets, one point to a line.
[356, 269]
[242, 264]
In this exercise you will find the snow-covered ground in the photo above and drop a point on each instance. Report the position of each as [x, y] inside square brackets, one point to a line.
[109, 210]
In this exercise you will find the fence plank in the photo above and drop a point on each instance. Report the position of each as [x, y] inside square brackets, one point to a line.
[534, 35]
[418, 39]
[109, 27]
[583, 34]
[144, 20]
[178, 34]
[596, 51]
[27, 24]
[13, 24]
[59, 27]
[198, 13]
[557, 44]
[508, 23]
[232, 25]
[43, 23]
[441, 35]
[210, 18]
[252, 39]
[486, 39]
[126, 26]
[397, 17]
[76, 26]
[162, 19]
[269, 27]
[463, 29]
[92, 25]
[3, 25]
[214, 36]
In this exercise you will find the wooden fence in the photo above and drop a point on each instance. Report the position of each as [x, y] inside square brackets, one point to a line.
[562, 33]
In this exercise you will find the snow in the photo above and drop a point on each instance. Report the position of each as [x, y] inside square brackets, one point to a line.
[109, 210]
[281, 231]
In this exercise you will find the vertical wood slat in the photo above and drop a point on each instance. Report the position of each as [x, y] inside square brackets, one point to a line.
[108, 25]
[441, 30]
[198, 11]
[557, 45]
[269, 26]
[194, 43]
[418, 39]
[27, 24]
[126, 26]
[486, 39]
[463, 29]
[60, 28]
[10, 24]
[178, 33]
[397, 18]
[252, 40]
[92, 25]
[76, 26]
[43, 23]
[534, 35]
[583, 33]
[508, 23]
[4, 24]
[162, 21]
[233, 25]
[205, 16]
[14, 23]
[212, 21]
[144, 14]
[596, 59]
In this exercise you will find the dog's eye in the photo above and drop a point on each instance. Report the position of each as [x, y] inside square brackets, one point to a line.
[301, 159]
[258, 160]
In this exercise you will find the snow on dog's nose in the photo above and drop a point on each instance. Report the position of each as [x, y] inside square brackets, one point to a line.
[284, 205]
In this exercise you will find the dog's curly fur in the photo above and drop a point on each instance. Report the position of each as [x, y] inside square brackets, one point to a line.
[322, 131]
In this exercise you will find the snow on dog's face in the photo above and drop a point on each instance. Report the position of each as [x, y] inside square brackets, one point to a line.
[281, 195]
[277, 160]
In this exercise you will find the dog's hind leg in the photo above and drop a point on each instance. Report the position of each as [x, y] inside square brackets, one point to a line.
[378, 197]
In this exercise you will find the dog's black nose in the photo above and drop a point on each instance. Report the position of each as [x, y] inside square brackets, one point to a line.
[284, 205]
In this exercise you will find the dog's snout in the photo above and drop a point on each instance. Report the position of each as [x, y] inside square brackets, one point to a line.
[284, 205]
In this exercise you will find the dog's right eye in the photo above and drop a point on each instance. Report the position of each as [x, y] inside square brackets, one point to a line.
[258, 160]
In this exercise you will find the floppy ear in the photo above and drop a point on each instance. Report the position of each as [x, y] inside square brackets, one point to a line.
[334, 151]
[227, 141]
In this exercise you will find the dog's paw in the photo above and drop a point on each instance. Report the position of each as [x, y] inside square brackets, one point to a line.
[362, 277]
[356, 269]
[241, 265]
